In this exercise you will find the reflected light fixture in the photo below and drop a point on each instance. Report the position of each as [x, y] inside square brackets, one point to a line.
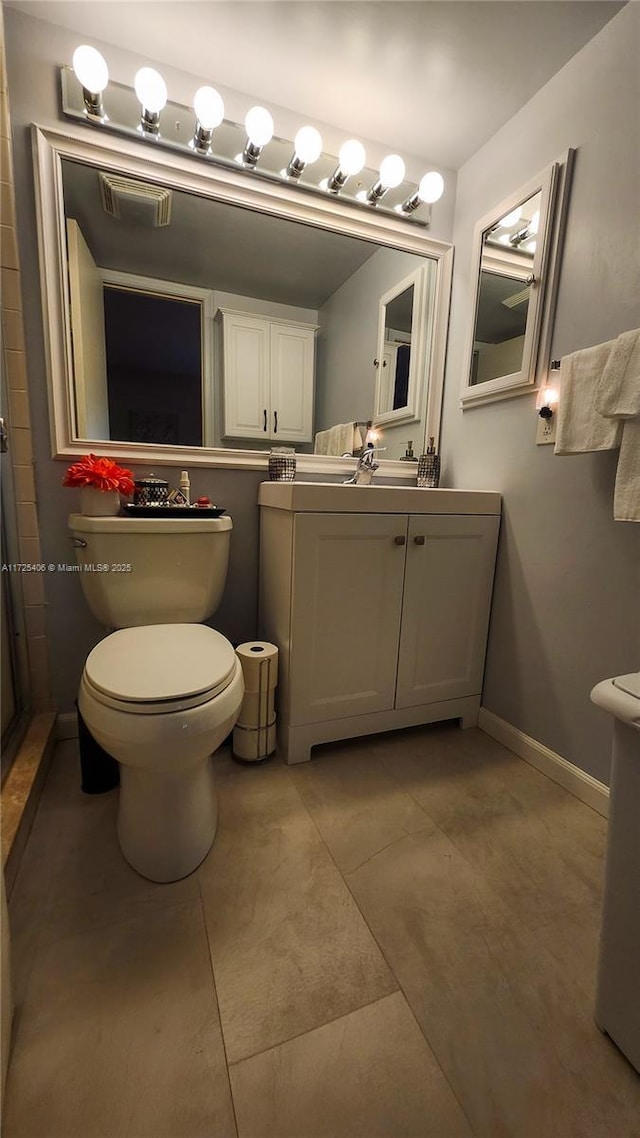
[510, 219]
[209, 111]
[351, 159]
[92, 73]
[430, 190]
[151, 90]
[259, 127]
[307, 149]
[392, 171]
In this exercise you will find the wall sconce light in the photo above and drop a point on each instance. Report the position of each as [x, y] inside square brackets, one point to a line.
[392, 171]
[546, 406]
[92, 72]
[307, 149]
[430, 190]
[151, 90]
[548, 396]
[209, 110]
[259, 127]
[351, 159]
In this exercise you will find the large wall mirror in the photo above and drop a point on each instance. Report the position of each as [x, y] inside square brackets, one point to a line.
[516, 258]
[194, 316]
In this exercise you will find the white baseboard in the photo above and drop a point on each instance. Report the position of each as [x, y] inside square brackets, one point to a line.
[67, 725]
[588, 789]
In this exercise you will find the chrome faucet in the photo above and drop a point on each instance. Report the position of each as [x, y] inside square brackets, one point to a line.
[366, 467]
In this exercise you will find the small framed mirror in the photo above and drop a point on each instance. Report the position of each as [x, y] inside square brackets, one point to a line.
[403, 319]
[515, 270]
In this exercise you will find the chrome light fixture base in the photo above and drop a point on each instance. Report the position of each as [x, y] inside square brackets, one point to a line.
[176, 129]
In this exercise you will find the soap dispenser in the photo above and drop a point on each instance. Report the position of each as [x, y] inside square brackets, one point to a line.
[408, 455]
[429, 466]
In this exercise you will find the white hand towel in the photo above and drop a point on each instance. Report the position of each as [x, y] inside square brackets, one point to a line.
[357, 439]
[336, 440]
[341, 439]
[618, 391]
[626, 498]
[321, 443]
[580, 427]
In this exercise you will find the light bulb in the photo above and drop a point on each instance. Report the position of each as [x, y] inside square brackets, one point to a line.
[259, 126]
[392, 171]
[90, 69]
[535, 222]
[308, 144]
[209, 107]
[431, 187]
[352, 157]
[512, 218]
[151, 90]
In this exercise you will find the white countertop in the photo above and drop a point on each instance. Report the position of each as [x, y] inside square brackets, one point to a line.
[337, 498]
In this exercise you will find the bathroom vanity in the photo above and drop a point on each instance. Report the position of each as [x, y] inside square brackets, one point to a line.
[378, 598]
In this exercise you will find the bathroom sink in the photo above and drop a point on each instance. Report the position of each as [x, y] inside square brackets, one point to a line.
[338, 498]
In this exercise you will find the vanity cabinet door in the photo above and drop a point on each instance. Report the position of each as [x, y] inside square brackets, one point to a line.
[447, 599]
[292, 369]
[246, 377]
[348, 572]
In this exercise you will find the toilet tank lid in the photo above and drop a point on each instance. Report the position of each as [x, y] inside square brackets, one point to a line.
[82, 523]
[161, 662]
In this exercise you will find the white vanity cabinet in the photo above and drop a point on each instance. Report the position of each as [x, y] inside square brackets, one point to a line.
[379, 605]
[268, 369]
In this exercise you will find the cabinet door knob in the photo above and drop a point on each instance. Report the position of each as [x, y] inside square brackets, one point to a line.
[275, 422]
[419, 540]
[400, 539]
[265, 419]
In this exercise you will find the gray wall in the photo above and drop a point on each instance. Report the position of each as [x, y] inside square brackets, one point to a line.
[566, 607]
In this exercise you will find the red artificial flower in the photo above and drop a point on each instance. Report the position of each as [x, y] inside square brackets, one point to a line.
[101, 473]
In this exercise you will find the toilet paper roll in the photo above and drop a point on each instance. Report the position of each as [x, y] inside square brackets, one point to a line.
[259, 662]
[258, 708]
[251, 745]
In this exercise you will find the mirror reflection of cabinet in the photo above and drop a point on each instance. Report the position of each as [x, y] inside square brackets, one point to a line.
[268, 378]
[400, 360]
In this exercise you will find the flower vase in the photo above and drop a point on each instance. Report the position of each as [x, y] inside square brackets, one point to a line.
[96, 503]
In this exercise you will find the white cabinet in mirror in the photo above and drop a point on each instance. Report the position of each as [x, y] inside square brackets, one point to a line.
[140, 250]
[515, 266]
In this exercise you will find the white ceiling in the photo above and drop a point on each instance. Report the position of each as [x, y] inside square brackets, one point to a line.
[429, 78]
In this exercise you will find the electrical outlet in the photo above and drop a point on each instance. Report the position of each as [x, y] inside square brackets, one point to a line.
[545, 430]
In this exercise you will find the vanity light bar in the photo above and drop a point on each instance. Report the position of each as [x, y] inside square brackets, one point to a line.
[91, 73]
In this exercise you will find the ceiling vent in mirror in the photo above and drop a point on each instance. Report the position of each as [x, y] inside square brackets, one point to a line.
[132, 200]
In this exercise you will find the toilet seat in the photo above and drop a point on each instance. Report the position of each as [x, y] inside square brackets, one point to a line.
[160, 668]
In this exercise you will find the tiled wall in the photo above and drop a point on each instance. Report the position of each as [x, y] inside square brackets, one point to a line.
[17, 413]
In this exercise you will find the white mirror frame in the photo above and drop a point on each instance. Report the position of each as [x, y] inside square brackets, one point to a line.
[420, 323]
[52, 145]
[553, 184]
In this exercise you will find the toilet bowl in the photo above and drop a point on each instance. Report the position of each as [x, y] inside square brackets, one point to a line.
[163, 692]
[160, 699]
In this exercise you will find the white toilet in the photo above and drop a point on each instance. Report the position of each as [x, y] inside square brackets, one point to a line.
[162, 692]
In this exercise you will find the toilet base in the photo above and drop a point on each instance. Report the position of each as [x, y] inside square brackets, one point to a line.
[167, 822]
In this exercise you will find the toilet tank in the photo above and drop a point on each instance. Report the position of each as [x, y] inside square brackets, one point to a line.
[136, 571]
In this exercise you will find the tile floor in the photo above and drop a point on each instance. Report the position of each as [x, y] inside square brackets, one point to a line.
[396, 940]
